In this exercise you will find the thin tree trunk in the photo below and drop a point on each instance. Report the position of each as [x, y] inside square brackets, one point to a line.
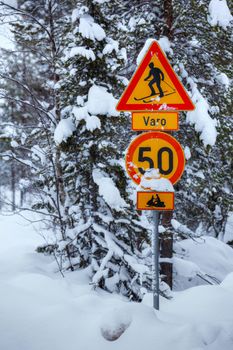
[168, 17]
[13, 186]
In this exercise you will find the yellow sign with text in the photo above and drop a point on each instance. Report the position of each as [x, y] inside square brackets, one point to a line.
[164, 121]
[155, 200]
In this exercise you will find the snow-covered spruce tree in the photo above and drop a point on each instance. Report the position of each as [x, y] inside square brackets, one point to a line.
[202, 54]
[106, 232]
[196, 37]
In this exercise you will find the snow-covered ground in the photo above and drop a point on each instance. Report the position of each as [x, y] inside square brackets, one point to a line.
[41, 310]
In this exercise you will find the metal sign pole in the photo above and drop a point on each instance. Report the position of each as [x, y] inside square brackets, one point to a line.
[155, 259]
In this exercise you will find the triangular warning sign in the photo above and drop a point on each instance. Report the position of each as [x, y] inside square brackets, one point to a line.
[155, 86]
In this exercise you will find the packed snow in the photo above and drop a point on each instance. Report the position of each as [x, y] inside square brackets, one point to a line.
[90, 30]
[165, 45]
[111, 46]
[209, 257]
[200, 117]
[92, 122]
[223, 79]
[64, 130]
[228, 237]
[187, 153]
[80, 51]
[42, 310]
[6, 36]
[144, 50]
[101, 102]
[219, 14]
[163, 42]
[108, 190]
[153, 180]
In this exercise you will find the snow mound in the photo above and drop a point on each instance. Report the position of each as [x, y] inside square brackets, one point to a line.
[42, 310]
[81, 51]
[212, 257]
[154, 181]
[114, 323]
[227, 283]
[91, 30]
[200, 116]
[185, 268]
[101, 102]
[228, 236]
[219, 14]
[223, 79]
[108, 190]
[187, 153]
[163, 42]
[165, 45]
[202, 120]
[92, 123]
[112, 45]
[64, 130]
[144, 50]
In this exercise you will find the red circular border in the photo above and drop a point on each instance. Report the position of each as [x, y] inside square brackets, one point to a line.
[156, 135]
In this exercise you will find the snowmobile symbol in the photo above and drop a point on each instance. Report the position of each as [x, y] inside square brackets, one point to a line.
[155, 202]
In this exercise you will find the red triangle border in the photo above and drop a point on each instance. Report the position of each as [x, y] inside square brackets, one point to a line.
[155, 49]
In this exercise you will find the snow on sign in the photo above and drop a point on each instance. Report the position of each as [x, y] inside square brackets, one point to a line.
[155, 86]
[155, 201]
[155, 150]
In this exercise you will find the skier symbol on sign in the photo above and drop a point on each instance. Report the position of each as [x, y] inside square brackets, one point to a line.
[164, 91]
[157, 78]
[157, 75]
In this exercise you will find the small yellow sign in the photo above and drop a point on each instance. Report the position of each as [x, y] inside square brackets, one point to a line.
[155, 200]
[154, 121]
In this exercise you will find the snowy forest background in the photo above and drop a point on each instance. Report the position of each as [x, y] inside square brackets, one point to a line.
[63, 143]
[63, 68]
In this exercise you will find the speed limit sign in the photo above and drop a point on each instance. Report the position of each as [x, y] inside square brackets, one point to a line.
[155, 150]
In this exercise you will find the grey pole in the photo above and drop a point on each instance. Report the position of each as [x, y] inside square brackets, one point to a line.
[155, 259]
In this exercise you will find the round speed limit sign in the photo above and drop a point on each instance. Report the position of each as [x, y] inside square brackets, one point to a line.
[155, 150]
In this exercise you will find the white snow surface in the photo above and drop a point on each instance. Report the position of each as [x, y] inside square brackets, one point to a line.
[108, 190]
[89, 29]
[92, 122]
[211, 257]
[154, 181]
[101, 102]
[219, 14]
[163, 42]
[6, 36]
[187, 153]
[185, 268]
[81, 51]
[223, 79]
[165, 45]
[228, 237]
[144, 50]
[200, 117]
[42, 310]
[64, 129]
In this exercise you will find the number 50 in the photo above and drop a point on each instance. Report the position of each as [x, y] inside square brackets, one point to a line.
[161, 152]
